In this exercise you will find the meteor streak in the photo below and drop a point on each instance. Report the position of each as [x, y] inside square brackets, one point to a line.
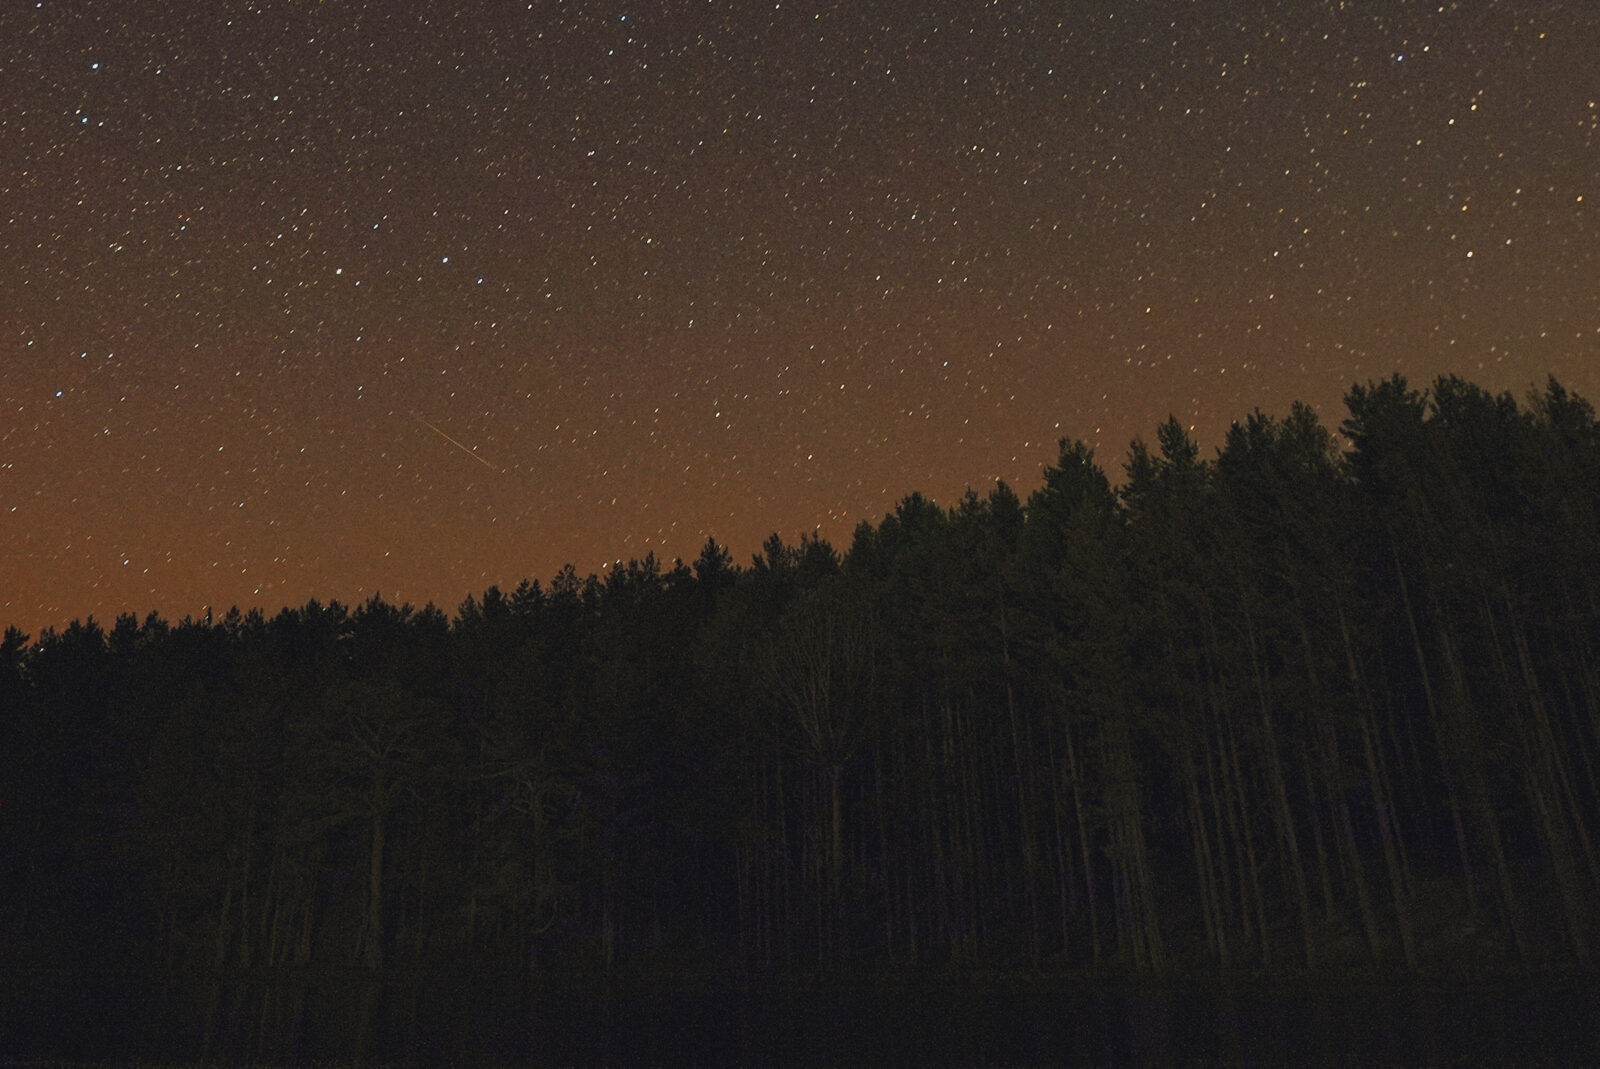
[455, 443]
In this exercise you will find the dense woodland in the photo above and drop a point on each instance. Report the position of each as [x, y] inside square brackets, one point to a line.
[1314, 703]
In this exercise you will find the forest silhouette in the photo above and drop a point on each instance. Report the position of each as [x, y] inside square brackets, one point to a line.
[1314, 707]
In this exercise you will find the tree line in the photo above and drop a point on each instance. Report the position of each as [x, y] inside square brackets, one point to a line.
[1307, 704]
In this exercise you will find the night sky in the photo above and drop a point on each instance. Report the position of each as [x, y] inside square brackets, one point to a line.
[305, 299]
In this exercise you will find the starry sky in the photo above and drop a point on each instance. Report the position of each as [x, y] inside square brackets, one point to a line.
[325, 299]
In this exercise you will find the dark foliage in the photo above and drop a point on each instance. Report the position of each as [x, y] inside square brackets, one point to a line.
[1290, 708]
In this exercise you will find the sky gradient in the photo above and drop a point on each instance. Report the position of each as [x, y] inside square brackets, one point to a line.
[331, 299]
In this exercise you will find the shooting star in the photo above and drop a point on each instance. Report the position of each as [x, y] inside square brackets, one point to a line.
[455, 443]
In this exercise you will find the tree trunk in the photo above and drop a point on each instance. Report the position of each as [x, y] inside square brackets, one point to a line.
[1280, 793]
[1083, 845]
[372, 945]
[1399, 889]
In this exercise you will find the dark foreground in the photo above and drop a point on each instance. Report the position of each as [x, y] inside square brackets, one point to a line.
[972, 1020]
[1313, 708]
